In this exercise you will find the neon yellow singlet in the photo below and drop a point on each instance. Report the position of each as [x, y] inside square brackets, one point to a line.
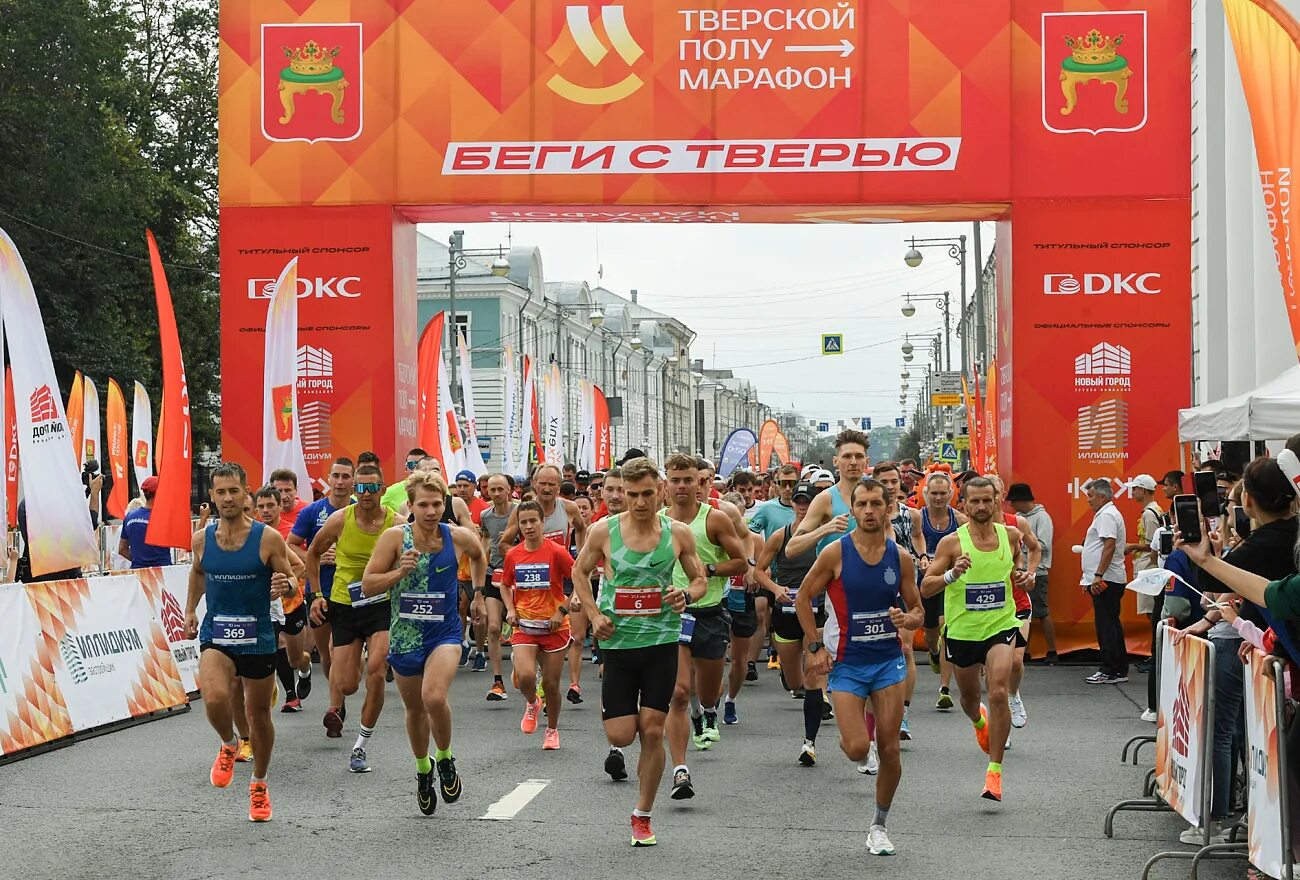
[978, 605]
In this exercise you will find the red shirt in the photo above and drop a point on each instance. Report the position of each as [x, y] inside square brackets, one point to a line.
[537, 578]
[476, 507]
[288, 519]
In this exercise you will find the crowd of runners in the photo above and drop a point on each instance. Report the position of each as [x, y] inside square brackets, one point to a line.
[674, 584]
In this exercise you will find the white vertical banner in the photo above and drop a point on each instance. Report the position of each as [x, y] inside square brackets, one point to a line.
[1182, 747]
[142, 435]
[449, 429]
[529, 407]
[281, 441]
[1264, 819]
[553, 429]
[589, 423]
[580, 435]
[92, 434]
[510, 420]
[473, 455]
[58, 522]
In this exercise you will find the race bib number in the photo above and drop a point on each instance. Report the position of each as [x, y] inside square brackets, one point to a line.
[736, 599]
[360, 601]
[986, 597]
[423, 607]
[533, 576]
[535, 627]
[688, 629]
[637, 601]
[871, 626]
[232, 630]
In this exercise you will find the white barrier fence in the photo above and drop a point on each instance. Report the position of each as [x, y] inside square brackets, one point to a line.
[81, 654]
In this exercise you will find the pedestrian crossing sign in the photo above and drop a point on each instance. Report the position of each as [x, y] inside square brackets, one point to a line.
[832, 343]
[948, 452]
[824, 427]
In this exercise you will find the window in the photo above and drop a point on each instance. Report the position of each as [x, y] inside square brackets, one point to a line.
[463, 324]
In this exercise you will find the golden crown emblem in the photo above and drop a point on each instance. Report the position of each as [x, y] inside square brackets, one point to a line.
[311, 59]
[1094, 47]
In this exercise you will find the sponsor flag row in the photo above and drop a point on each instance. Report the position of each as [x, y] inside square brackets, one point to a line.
[77, 655]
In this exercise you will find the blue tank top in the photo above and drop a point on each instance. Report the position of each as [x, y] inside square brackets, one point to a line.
[858, 627]
[424, 604]
[238, 587]
[933, 535]
[838, 507]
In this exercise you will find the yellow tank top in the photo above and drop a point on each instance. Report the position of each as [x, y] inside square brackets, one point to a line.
[351, 553]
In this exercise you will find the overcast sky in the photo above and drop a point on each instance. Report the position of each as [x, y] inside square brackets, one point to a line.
[760, 296]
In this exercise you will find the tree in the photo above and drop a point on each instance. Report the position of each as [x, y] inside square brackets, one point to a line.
[909, 445]
[108, 126]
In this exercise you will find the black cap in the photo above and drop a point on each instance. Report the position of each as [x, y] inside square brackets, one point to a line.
[631, 454]
[805, 489]
[583, 476]
[1020, 492]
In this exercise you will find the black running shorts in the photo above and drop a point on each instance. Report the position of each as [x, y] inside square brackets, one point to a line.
[712, 633]
[350, 624]
[252, 666]
[962, 653]
[295, 621]
[785, 624]
[636, 679]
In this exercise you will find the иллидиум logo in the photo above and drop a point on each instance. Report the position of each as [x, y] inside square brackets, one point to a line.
[312, 82]
[580, 28]
[1094, 71]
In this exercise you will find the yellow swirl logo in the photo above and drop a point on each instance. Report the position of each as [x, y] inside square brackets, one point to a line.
[580, 27]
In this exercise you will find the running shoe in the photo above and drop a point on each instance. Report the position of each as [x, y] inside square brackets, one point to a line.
[1051, 659]
[807, 754]
[498, 692]
[982, 733]
[642, 834]
[773, 661]
[303, 687]
[992, 785]
[944, 703]
[872, 765]
[259, 802]
[828, 714]
[529, 722]
[223, 769]
[464, 654]
[574, 695]
[682, 788]
[1006, 746]
[480, 661]
[1019, 718]
[905, 732]
[425, 796]
[449, 780]
[616, 765]
[729, 715]
[751, 671]
[702, 742]
[294, 705]
[878, 842]
[934, 662]
[1148, 715]
[798, 693]
[711, 727]
[551, 741]
[1104, 678]
[358, 763]
[245, 750]
[333, 722]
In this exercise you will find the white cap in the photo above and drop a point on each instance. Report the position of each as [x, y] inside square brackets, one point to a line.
[1144, 481]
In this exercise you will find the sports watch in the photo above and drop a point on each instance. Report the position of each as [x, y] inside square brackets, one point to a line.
[814, 647]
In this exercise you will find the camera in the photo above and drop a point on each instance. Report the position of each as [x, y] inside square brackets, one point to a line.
[89, 471]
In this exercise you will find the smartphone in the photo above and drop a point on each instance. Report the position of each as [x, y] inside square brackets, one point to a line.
[1206, 486]
[1188, 518]
[1166, 543]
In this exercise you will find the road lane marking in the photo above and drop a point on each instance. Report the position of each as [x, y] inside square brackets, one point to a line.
[510, 805]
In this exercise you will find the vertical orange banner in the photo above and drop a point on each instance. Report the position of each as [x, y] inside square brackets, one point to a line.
[604, 460]
[989, 430]
[766, 442]
[76, 412]
[1267, 42]
[11, 458]
[116, 444]
[972, 418]
[429, 431]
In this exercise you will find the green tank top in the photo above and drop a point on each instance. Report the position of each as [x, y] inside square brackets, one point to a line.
[979, 605]
[351, 553]
[708, 553]
[632, 591]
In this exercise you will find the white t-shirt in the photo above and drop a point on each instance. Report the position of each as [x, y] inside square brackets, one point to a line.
[1106, 523]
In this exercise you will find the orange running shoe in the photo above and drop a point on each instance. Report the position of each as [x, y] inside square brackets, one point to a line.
[642, 834]
[992, 785]
[982, 733]
[259, 803]
[497, 694]
[529, 722]
[223, 769]
[551, 742]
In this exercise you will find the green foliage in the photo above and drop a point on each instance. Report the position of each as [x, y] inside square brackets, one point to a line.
[108, 126]
[909, 445]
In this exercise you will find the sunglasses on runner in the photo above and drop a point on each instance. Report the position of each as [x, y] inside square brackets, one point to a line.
[787, 482]
[367, 488]
[410, 465]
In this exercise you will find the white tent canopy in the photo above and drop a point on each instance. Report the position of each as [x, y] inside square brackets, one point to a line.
[1270, 412]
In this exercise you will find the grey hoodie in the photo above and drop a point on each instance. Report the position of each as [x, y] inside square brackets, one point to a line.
[1041, 523]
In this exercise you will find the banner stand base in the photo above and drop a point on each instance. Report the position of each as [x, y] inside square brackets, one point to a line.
[13, 757]
[1135, 743]
[83, 735]
[1137, 805]
[1213, 851]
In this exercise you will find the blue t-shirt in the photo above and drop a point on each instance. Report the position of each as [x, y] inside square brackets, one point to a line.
[311, 519]
[143, 555]
[771, 517]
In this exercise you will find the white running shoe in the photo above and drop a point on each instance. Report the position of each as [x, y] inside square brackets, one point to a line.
[878, 841]
[1148, 716]
[1018, 716]
[872, 767]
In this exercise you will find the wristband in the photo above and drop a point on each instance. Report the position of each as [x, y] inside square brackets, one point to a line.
[950, 576]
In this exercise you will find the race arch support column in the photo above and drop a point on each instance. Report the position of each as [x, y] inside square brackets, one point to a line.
[357, 331]
[1094, 362]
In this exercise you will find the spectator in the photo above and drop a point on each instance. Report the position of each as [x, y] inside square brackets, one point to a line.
[1103, 576]
[285, 482]
[1021, 498]
[1143, 491]
[1267, 551]
[1172, 484]
[133, 547]
[23, 571]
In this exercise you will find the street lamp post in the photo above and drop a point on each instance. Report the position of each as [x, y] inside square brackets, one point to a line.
[942, 301]
[956, 248]
[457, 261]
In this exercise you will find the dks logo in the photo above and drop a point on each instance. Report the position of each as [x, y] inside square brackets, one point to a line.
[1094, 71]
[582, 33]
[312, 82]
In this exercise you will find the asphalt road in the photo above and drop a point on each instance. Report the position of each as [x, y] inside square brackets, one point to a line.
[137, 803]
